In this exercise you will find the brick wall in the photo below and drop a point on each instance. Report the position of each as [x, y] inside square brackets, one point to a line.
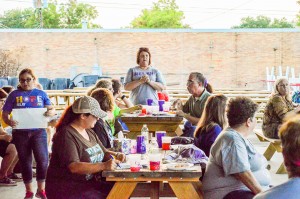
[227, 58]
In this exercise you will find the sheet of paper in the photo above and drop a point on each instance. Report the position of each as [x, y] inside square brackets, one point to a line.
[30, 118]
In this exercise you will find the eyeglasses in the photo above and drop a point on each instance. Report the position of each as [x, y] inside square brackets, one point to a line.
[25, 80]
[190, 82]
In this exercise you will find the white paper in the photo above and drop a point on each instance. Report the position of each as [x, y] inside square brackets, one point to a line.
[30, 118]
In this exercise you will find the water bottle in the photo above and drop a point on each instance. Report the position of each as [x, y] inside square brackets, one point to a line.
[153, 146]
[145, 133]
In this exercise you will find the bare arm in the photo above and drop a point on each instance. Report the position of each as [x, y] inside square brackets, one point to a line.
[89, 168]
[8, 120]
[132, 85]
[191, 119]
[249, 180]
[157, 85]
[50, 111]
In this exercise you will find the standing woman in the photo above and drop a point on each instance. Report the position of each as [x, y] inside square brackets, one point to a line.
[211, 123]
[143, 80]
[29, 140]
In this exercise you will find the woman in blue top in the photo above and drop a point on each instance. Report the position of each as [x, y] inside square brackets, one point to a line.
[211, 123]
[29, 140]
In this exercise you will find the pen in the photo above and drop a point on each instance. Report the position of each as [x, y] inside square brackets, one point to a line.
[112, 157]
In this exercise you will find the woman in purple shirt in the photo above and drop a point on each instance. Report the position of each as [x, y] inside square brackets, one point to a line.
[28, 141]
[211, 122]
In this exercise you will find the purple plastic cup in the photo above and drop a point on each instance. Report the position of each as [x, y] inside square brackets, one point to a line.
[159, 135]
[160, 104]
[140, 144]
[149, 102]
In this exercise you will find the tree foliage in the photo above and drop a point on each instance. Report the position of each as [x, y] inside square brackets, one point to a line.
[163, 14]
[264, 22]
[68, 15]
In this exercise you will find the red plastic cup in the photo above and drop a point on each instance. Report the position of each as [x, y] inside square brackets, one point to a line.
[161, 96]
[154, 165]
[144, 110]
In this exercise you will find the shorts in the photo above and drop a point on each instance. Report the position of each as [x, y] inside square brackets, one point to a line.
[3, 147]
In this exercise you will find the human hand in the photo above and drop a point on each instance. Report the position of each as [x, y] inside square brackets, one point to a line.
[180, 113]
[49, 112]
[110, 164]
[7, 138]
[13, 123]
[121, 157]
[177, 105]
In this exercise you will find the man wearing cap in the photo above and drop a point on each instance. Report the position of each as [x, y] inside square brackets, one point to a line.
[198, 86]
[78, 156]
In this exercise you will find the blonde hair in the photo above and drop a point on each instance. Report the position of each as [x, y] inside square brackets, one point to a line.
[290, 137]
[276, 92]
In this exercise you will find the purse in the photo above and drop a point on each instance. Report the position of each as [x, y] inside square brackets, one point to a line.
[182, 140]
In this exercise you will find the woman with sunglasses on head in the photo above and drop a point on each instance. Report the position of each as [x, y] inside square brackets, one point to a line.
[144, 80]
[278, 107]
[28, 141]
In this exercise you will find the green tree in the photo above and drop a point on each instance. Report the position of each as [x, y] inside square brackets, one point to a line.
[163, 14]
[15, 18]
[68, 15]
[264, 22]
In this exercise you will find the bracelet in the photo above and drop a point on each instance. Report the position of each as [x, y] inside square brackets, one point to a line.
[123, 96]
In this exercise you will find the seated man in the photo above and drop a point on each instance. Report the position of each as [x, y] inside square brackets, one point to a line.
[192, 110]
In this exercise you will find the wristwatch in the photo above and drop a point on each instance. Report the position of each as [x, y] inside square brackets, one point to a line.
[123, 96]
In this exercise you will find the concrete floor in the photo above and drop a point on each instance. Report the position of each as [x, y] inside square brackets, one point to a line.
[18, 192]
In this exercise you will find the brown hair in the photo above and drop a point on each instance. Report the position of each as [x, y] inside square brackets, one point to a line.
[117, 85]
[3, 94]
[142, 49]
[200, 78]
[102, 83]
[29, 71]
[239, 109]
[290, 139]
[214, 113]
[104, 98]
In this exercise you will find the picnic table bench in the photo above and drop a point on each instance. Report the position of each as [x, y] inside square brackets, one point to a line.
[274, 146]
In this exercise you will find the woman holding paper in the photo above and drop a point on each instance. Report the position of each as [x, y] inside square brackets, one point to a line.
[29, 138]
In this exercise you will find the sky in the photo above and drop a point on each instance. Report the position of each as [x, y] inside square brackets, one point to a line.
[199, 14]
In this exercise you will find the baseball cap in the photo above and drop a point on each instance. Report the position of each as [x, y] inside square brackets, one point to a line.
[87, 104]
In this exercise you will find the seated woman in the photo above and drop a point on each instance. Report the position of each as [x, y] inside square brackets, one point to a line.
[104, 83]
[121, 100]
[102, 128]
[211, 123]
[290, 139]
[78, 155]
[235, 169]
[278, 106]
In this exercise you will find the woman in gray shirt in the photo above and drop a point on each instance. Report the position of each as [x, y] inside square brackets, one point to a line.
[235, 169]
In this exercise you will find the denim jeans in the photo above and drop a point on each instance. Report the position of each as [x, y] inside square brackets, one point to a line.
[26, 142]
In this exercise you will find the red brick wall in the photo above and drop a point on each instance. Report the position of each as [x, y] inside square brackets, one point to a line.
[228, 59]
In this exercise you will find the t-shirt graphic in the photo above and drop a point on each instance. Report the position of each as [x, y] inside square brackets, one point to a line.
[96, 155]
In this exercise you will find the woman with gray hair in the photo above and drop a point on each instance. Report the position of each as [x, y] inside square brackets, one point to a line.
[278, 106]
[290, 138]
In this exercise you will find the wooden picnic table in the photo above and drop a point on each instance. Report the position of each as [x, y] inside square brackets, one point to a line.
[185, 184]
[168, 123]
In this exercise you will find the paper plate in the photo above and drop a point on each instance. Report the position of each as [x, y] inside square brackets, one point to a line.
[179, 166]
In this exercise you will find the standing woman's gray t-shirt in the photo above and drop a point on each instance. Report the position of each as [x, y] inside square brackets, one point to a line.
[231, 153]
[140, 94]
